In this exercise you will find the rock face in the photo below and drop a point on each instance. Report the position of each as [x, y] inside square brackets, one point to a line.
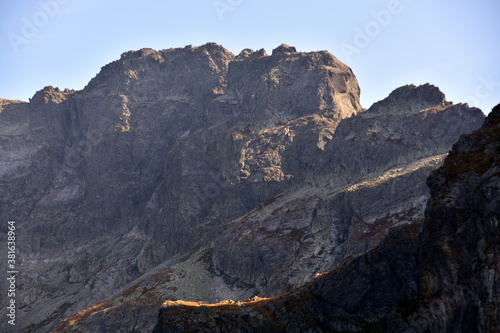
[460, 251]
[194, 174]
[443, 280]
[359, 297]
[348, 204]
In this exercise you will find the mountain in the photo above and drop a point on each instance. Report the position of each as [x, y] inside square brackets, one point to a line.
[460, 250]
[446, 280]
[196, 174]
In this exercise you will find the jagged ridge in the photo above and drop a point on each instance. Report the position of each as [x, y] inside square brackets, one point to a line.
[158, 172]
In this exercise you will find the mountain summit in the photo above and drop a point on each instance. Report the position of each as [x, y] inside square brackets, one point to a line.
[194, 174]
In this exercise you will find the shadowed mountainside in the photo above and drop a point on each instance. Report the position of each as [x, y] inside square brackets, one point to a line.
[446, 280]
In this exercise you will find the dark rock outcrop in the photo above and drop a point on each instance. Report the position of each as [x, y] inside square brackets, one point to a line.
[460, 249]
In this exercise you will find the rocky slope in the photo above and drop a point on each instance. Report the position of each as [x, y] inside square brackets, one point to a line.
[460, 250]
[370, 294]
[196, 174]
[309, 229]
[446, 280]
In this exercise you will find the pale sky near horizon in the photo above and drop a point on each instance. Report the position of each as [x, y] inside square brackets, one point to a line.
[387, 43]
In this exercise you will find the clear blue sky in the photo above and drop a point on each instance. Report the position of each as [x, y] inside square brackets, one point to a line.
[454, 44]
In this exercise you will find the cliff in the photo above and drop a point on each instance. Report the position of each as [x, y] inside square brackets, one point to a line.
[196, 174]
[443, 279]
[460, 253]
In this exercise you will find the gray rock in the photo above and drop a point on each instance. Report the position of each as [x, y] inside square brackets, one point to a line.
[459, 254]
[189, 172]
[283, 48]
[443, 279]
[249, 53]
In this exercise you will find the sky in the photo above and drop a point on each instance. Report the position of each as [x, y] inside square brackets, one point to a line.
[453, 44]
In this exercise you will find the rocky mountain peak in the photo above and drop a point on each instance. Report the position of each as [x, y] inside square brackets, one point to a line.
[287, 84]
[148, 73]
[283, 48]
[139, 54]
[50, 94]
[251, 54]
[410, 99]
